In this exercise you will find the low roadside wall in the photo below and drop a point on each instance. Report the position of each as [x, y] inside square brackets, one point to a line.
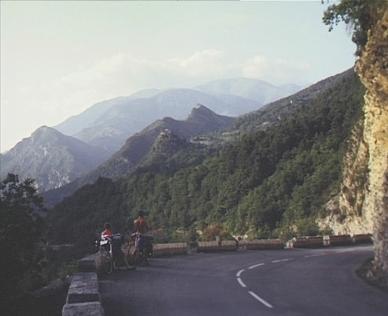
[261, 244]
[340, 240]
[160, 250]
[214, 246]
[307, 242]
[83, 296]
[362, 239]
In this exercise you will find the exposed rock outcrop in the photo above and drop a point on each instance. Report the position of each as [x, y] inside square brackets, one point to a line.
[372, 68]
[362, 205]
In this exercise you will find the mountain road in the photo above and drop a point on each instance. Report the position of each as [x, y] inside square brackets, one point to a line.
[293, 282]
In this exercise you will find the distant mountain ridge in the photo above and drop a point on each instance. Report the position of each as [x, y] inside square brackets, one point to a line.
[51, 158]
[126, 116]
[258, 90]
[109, 123]
[135, 150]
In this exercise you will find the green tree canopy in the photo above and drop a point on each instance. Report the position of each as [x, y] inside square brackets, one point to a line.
[359, 15]
[21, 230]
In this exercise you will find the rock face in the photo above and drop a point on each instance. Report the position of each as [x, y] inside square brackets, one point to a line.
[346, 210]
[362, 205]
[373, 71]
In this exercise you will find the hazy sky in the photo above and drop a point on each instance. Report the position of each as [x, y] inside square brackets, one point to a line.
[58, 58]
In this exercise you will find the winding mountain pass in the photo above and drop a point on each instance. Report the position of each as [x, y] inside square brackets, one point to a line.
[287, 282]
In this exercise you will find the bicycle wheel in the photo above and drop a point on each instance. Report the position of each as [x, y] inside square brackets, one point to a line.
[107, 262]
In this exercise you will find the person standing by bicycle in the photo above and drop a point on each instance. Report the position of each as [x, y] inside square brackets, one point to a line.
[142, 244]
[113, 254]
[140, 224]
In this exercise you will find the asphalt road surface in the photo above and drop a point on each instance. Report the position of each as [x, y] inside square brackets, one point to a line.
[318, 282]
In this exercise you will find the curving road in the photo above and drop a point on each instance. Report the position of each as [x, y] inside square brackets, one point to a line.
[319, 282]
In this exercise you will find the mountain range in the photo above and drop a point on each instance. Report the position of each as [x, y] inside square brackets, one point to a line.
[258, 90]
[51, 158]
[138, 147]
[109, 123]
[100, 131]
[271, 180]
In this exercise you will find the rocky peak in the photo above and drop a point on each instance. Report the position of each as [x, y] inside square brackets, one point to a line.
[45, 133]
[167, 143]
[201, 113]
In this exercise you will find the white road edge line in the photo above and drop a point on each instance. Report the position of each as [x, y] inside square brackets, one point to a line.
[264, 302]
[239, 273]
[280, 260]
[241, 282]
[255, 266]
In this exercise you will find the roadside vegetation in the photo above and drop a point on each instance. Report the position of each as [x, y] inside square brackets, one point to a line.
[270, 183]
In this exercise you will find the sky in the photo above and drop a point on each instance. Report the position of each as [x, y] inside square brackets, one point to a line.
[59, 58]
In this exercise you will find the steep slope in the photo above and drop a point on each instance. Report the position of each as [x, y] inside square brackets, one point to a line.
[362, 205]
[276, 111]
[254, 89]
[201, 121]
[372, 68]
[53, 159]
[272, 182]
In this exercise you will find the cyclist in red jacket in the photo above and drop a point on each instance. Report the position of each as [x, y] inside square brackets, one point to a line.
[107, 231]
[140, 224]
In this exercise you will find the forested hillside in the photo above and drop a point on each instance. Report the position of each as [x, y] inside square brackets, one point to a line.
[268, 183]
[137, 148]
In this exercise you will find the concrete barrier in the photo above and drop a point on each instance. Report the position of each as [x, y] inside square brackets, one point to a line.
[83, 296]
[83, 288]
[340, 240]
[160, 250]
[362, 239]
[83, 309]
[307, 242]
[214, 246]
[229, 245]
[261, 244]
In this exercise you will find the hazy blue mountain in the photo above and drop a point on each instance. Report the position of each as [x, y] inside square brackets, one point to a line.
[50, 157]
[131, 115]
[135, 150]
[145, 93]
[109, 123]
[76, 123]
[258, 90]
